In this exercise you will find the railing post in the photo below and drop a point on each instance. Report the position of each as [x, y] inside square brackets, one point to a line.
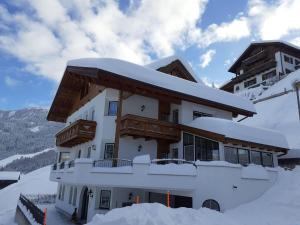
[45, 216]
[168, 199]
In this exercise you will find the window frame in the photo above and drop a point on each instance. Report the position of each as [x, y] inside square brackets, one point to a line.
[260, 155]
[236, 151]
[109, 112]
[262, 159]
[105, 148]
[100, 206]
[249, 83]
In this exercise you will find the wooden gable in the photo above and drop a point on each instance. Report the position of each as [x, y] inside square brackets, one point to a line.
[177, 69]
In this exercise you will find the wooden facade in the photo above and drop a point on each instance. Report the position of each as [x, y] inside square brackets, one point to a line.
[137, 126]
[76, 133]
[257, 58]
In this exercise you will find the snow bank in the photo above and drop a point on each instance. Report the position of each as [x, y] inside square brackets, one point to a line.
[9, 175]
[163, 80]
[36, 182]
[278, 206]
[239, 131]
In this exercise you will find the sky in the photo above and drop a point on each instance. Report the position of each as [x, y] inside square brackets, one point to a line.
[37, 38]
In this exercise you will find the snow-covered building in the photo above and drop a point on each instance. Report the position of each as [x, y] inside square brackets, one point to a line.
[8, 178]
[263, 64]
[155, 133]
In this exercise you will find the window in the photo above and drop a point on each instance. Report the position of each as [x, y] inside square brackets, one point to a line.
[211, 204]
[64, 156]
[112, 108]
[206, 150]
[288, 59]
[74, 196]
[71, 195]
[175, 116]
[269, 75]
[237, 88]
[250, 82]
[79, 154]
[244, 156]
[104, 199]
[109, 150]
[231, 155]
[197, 114]
[59, 191]
[256, 157]
[188, 147]
[89, 152]
[297, 62]
[267, 159]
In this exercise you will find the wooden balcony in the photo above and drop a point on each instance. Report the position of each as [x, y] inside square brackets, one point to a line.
[76, 133]
[137, 126]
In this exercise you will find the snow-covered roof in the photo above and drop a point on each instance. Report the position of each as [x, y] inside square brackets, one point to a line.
[165, 81]
[167, 60]
[235, 130]
[9, 175]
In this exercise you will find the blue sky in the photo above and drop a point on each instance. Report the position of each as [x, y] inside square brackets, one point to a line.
[38, 37]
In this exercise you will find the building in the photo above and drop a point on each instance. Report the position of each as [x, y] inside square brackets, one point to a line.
[8, 178]
[263, 63]
[155, 134]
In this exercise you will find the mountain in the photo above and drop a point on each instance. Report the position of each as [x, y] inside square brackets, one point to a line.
[26, 131]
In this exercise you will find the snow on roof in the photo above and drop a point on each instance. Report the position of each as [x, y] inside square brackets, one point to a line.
[163, 80]
[167, 60]
[9, 175]
[239, 131]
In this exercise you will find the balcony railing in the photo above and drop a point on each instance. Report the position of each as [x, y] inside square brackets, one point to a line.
[112, 163]
[76, 133]
[169, 161]
[137, 126]
[71, 164]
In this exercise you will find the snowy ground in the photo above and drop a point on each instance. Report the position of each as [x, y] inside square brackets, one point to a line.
[36, 182]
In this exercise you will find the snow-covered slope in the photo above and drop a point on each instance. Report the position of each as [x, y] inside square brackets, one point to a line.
[278, 206]
[36, 182]
[279, 113]
[10, 159]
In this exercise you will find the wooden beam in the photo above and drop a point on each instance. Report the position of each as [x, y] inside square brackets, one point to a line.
[118, 123]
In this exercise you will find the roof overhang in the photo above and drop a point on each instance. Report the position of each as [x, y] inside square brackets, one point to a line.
[74, 78]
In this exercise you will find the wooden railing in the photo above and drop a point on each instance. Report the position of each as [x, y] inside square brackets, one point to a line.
[36, 212]
[76, 133]
[137, 126]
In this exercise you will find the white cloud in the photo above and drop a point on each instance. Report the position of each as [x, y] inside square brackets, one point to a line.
[296, 41]
[206, 58]
[11, 82]
[276, 19]
[211, 83]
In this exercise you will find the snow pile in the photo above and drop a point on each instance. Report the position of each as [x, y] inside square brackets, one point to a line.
[9, 175]
[279, 113]
[252, 93]
[163, 80]
[36, 182]
[239, 131]
[278, 206]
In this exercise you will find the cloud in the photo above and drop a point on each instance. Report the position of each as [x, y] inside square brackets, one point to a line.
[275, 19]
[45, 34]
[211, 83]
[206, 58]
[11, 82]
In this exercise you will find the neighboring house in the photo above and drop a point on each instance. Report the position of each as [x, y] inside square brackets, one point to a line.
[134, 134]
[263, 63]
[8, 178]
